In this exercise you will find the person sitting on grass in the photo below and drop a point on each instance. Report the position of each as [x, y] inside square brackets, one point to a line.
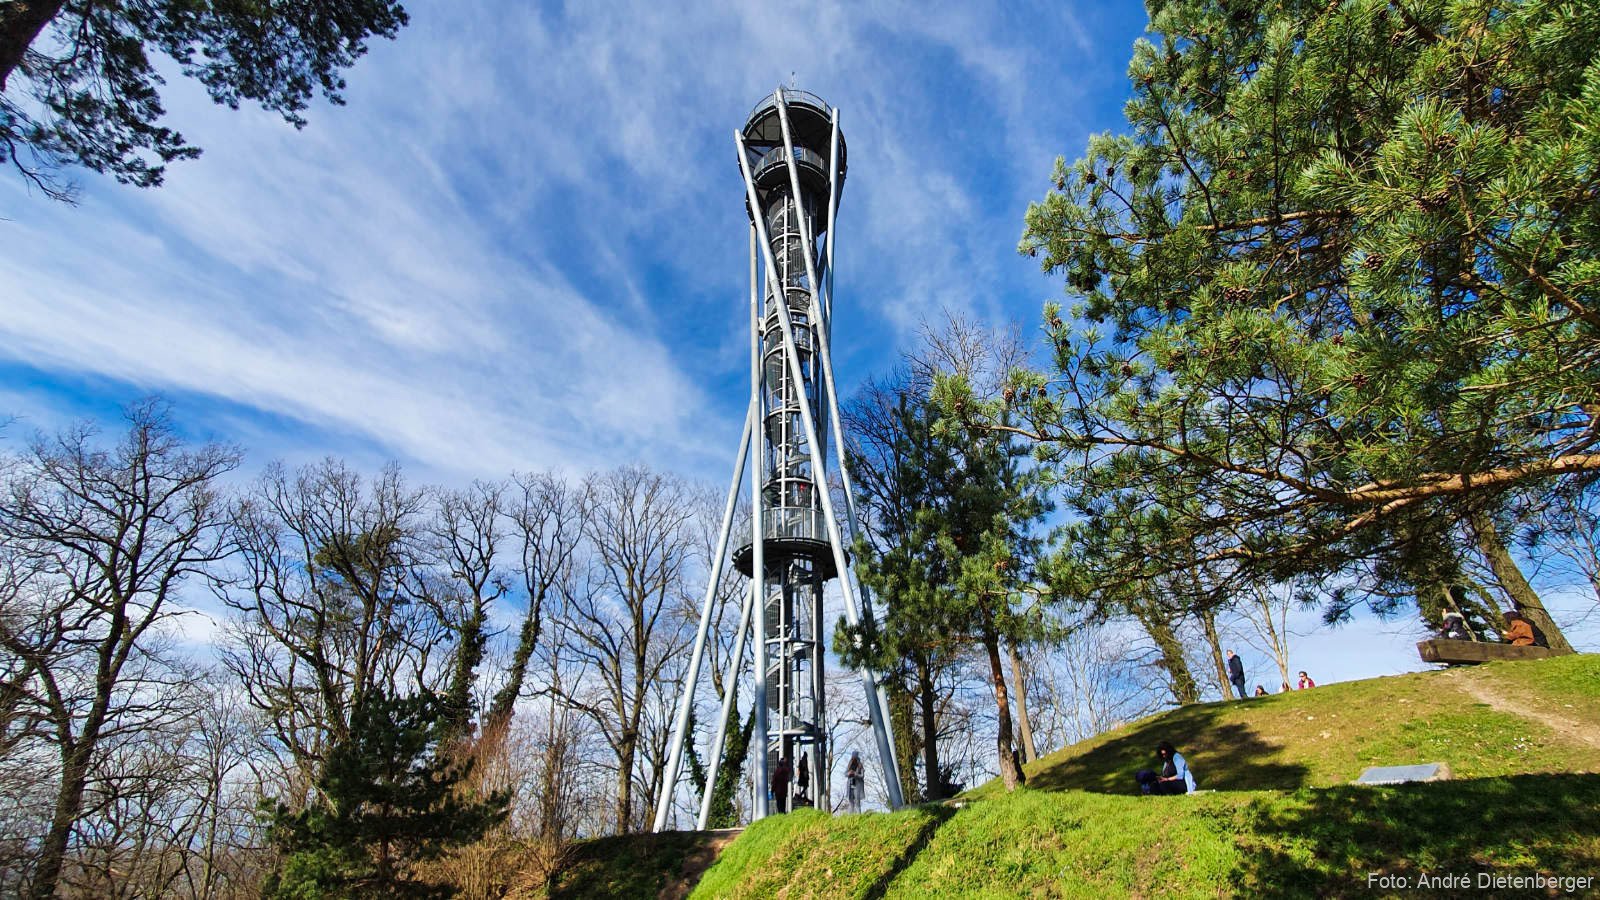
[1261, 690]
[1518, 632]
[1306, 682]
[1175, 777]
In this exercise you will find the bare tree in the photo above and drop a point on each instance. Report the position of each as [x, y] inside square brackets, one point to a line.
[329, 604]
[624, 618]
[467, 532]
[544, 520]
[1567, 536]
[1265, 613]
[143, 811]
[1091, 684]
[109, 536]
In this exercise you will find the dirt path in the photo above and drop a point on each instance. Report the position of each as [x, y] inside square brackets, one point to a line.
[697, 862]
[1569, 729]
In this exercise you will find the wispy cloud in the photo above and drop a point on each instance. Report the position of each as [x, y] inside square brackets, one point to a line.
[522, 245]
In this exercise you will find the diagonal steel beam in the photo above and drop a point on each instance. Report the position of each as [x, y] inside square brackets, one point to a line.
[808, 424]
[669, 784]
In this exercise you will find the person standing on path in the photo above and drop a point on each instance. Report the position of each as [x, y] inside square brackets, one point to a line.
[855, 776]
[1236, 674]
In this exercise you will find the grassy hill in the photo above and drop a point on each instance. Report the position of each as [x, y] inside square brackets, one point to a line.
[1278, 817]
[1501, 719]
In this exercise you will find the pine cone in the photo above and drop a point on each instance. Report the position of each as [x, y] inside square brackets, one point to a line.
[1373, 261]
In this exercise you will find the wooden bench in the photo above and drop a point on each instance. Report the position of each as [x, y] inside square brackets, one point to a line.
[1467, 653]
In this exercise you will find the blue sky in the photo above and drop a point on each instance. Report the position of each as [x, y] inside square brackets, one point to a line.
[522, 243]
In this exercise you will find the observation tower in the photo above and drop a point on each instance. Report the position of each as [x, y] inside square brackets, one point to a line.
[791, 156]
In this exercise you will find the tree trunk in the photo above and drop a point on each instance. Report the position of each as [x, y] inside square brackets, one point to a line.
[1510, 577]
[625, 753]
[734, 749]
[928, 699]
[505, 699]
[20, 24]
[464, 673]
[1024, 724]
[906, 743]
[1010, 772]
[1208, 625]
[69, 803]
[1184, 689]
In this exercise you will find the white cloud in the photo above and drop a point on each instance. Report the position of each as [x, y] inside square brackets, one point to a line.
[521, 244]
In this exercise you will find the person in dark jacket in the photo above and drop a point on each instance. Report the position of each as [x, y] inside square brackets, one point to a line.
[1174, 777]
[780, 784]
[1236, 674]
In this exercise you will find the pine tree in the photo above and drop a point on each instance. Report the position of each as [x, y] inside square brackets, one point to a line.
[391, 795]
[1335, 285]
[80, 86]
[952, 572]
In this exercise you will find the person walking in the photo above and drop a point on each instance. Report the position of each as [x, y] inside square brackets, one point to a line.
[802, 781]
[855, 777]
[1236, 674]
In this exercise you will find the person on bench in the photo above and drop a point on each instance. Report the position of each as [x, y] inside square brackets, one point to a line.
[1518, 632]
[1175, 777]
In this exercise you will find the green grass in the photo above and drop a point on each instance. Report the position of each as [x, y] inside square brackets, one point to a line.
[636, 865]
[1074, 844]
[1328, 735]
[1280, 817]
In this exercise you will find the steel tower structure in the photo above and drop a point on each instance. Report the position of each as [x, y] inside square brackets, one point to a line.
[792, 158]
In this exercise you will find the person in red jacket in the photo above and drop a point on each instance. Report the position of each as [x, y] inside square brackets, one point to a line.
[1518, 631]
[1305, 682]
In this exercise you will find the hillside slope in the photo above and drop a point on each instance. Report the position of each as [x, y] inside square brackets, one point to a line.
[1500, 719]
[1522, 740]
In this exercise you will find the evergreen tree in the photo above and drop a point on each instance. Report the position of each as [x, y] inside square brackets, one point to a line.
[390, 795]
[1335, 287]
[951, 573]
[79, 83]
